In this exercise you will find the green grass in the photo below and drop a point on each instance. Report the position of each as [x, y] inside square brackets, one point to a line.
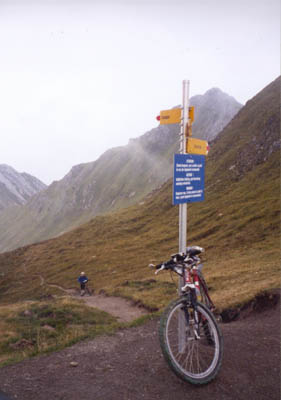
[32, 328]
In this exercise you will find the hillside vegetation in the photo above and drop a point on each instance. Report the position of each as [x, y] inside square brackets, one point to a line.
[238, 224]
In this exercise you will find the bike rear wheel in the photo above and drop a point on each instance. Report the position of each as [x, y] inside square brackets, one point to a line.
[195, 355]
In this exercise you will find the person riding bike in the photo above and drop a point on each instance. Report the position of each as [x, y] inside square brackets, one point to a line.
[83, 281]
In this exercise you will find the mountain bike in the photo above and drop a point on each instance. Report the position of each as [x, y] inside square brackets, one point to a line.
[87, 290]
[190, 337]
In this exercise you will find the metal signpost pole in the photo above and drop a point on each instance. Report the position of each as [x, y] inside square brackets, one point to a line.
[184, 122]
[183, 207]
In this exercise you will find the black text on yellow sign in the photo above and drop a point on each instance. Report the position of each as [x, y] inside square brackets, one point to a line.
[197, 146]
[173, 116]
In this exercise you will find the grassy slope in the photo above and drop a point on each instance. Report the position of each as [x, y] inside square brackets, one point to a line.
[239, 229]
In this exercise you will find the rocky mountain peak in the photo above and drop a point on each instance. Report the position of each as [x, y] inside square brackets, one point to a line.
[214, 92]
[16, 188]
[213, 111]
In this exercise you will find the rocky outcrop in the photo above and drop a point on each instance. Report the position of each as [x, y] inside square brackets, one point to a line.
[17, 188]
[213, 111]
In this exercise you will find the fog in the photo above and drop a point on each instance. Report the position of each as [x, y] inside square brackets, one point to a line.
[80, 77]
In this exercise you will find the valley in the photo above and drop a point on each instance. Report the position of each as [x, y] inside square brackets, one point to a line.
[238, 224]
[121, 177]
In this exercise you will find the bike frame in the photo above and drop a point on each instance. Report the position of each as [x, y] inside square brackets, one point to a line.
[195, 276]
[206, 292]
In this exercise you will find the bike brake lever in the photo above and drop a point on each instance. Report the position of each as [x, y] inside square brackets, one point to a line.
[160, 269]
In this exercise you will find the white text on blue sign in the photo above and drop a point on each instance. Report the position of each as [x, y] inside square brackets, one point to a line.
[189, 176]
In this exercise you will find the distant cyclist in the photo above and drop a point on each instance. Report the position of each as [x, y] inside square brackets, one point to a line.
[83, 281]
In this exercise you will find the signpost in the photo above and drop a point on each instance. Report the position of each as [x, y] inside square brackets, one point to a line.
[183, 206]
[183, 131]
[189, 174]
[189, 170]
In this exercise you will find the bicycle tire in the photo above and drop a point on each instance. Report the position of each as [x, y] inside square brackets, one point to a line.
[199, 360]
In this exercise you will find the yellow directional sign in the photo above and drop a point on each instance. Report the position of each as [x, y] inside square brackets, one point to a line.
[191, 114]
[188, 130]
[197, 146]
[173, 116]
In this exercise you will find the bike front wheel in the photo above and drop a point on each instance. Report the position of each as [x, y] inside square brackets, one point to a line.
[191, 341]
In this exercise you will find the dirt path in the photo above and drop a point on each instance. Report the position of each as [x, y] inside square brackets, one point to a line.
[130, 366]
[120, 308]
[123, 309]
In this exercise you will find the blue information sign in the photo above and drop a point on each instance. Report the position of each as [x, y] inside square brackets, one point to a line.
[189, 178]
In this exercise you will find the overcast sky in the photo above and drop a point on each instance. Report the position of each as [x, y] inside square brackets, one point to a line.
[78, 77]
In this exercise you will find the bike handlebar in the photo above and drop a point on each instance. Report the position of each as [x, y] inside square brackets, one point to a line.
[177, 263]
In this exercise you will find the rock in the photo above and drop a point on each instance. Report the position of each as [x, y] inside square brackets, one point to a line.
[74, 364]
[21, 344]
[28, 313]
[48, 328]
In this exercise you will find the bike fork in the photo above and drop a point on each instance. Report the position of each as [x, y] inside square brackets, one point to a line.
[196, 328]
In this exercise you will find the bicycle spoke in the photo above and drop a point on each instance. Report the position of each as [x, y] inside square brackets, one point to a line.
[188, 358]
[198, 361]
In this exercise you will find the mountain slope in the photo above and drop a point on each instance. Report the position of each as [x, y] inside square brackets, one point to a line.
[238, 224]
[17, 188]
[213, 109]
[248, 142]
[119, 178]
